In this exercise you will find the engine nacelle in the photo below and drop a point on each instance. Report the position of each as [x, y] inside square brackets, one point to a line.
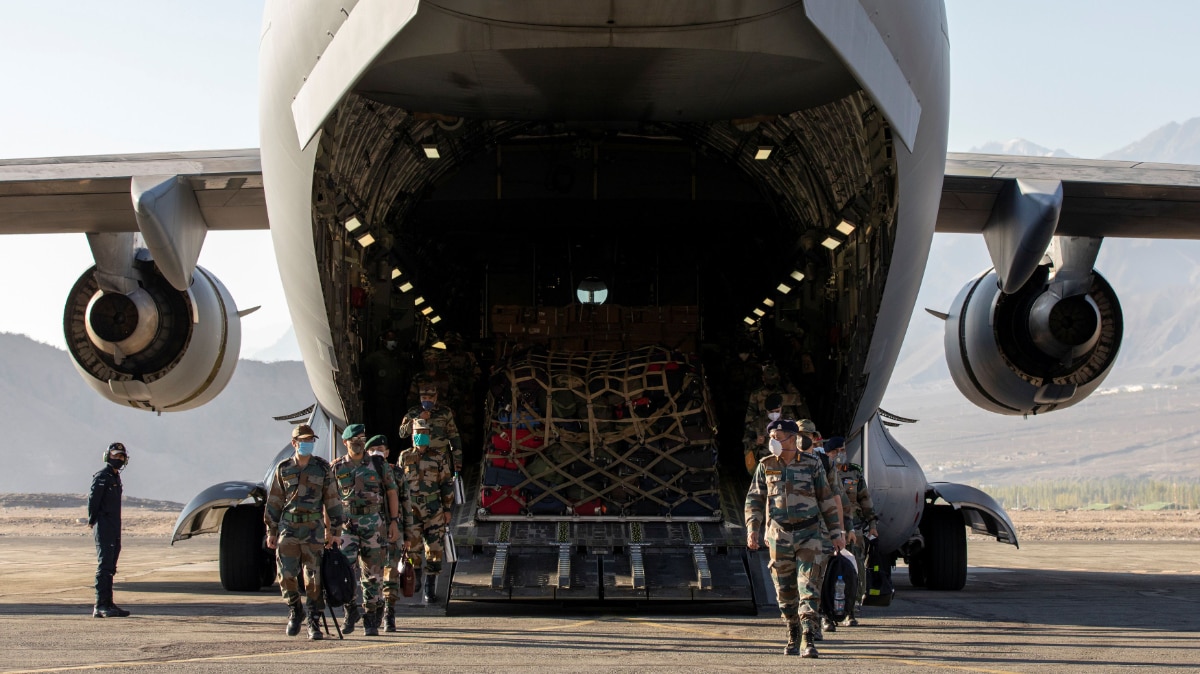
[1033, 351]
[156, 348]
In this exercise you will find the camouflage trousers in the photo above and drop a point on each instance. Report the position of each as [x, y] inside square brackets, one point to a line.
[429, 555]
[391, 577]
[295, 555]
[365, 546]
[859, 550]
[794, 572]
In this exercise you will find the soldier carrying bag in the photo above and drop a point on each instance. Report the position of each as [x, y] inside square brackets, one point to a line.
[337, 582]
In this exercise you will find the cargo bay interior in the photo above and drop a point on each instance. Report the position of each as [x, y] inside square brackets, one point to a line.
[777, 229]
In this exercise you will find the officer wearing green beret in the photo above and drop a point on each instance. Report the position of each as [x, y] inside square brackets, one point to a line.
[369, 494]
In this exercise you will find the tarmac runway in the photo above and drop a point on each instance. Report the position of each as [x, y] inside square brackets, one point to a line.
[1050, 607]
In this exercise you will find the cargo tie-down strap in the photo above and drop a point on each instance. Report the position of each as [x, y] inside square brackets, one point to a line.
[601, 432]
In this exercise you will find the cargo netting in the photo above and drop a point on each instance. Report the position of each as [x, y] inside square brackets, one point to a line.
[599, 433]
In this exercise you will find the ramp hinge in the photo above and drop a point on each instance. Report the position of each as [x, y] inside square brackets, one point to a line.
[500, 565]
[703, 573]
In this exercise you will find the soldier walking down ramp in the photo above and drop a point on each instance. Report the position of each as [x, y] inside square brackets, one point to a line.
[430, 498]
[104, 519]
[303, 494]
[377, 447]
[862, 513]
[789, 494]
[443, 431]
[369, 496]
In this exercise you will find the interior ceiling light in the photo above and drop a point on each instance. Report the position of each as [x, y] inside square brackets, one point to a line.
[366, 239]
[591, 290]
[798, 275]
[438, 344]
[435, 319]
[831, 243]
[419, 301]
[748, 320]
[431, 151]
[769, 302]
[764, 152]
[760, 313]
[353, 223]
[396, 273]
[406, 287]
[784, 288]
[845, 227]
[426, 311]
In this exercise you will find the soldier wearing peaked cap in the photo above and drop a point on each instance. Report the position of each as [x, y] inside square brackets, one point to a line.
[430, 482]
[790, 497]
[303, 494]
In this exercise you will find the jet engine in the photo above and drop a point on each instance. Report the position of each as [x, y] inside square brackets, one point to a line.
[154, 348]
[1042, 348]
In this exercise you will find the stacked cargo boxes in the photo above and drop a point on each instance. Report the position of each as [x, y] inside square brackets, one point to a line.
[600, 433]
[596, 327]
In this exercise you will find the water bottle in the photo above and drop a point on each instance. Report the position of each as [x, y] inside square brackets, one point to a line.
[839, 596]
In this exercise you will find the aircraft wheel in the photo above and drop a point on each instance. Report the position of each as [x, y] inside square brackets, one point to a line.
[916, 569]
[945, 556]
[241, 550]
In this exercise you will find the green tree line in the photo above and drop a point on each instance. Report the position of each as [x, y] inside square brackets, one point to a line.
[1113, 492]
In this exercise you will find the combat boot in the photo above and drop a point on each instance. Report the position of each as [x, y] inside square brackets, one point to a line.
[827, 624]
[430, 589]
[807, 649]
[315, 633]
[850, 620]
[793, 644]
[295, 616]
[352, 617]
[109, 611]
[389, 618]
[370, 622]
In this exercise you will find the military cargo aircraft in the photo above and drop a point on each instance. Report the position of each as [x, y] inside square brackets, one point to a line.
[776, 167]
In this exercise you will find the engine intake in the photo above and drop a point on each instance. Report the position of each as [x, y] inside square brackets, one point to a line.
[155, 348]
[1035, 350]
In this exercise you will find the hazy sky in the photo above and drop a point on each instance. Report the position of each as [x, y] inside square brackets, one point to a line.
[85, 77]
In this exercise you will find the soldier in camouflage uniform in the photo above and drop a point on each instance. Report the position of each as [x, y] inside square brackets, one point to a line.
[443, 430]
[377, 446]
[369, 494]
[426, 472]
[808, 430]
[862, 512]
[788, 405]
[433, 376]
[303, 494]
[790, 494]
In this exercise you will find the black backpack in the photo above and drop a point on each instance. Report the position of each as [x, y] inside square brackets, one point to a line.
[337, 577]
[843, 570]
[878, 579]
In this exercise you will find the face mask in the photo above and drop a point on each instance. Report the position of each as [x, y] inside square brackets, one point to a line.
[841, 459]
[390, 344]
[306, 448]
[427, 405]
[773, 416]
[117, 464]
[805, 443]
[356, 446]
[421, 440]
[375, 452]
[776, 447]
[744, 356]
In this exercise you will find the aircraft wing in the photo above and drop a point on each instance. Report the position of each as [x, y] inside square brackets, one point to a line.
[93, 194]
[1101, 198]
